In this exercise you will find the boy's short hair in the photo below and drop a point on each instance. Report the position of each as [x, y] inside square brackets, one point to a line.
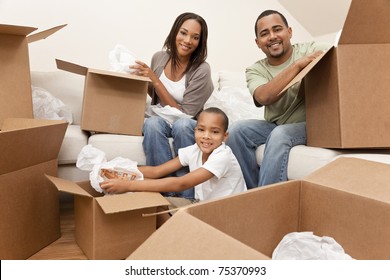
[215, 110]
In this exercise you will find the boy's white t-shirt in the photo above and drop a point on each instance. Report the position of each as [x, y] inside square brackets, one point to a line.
[222, 163]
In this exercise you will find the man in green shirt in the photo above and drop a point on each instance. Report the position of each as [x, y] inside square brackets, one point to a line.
[284, 125]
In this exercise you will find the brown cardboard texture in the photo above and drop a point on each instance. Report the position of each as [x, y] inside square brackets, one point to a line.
[29, 207]
[348, 200]
[110, 226]
[347, 91]
[113, 102]
[15, 85]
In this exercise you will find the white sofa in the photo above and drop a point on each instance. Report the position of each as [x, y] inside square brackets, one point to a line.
[230, 94]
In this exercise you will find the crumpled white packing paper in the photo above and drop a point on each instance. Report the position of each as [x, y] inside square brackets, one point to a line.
[93, 160]
[307, 246]
[120, 58]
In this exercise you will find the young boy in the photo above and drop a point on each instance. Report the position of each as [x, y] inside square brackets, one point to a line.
[214, 170]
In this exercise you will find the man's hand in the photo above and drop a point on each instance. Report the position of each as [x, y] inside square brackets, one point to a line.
[304, 61]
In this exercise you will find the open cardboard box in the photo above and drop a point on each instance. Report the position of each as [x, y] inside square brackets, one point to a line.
[347, 88]
[110, 226]
[348, 200]
[29, 206]
[15, 85]
[113, 102]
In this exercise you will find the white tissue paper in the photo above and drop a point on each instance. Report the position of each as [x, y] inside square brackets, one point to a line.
[94, 160]
[48, 107]
[307, 246]
[168, 113]
[120, 58]
[236, 102]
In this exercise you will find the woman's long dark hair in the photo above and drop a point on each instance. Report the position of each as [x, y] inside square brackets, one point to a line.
[200, 53]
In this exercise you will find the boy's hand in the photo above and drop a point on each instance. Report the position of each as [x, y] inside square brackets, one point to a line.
[115, 186]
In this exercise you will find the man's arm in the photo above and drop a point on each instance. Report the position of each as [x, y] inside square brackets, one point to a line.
[268, 93]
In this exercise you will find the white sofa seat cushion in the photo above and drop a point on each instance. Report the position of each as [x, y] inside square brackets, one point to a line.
[114, 145]
[303, 160]
[127, 146]
[75, 139]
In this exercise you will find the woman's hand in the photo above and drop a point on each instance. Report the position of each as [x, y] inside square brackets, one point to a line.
[142, 69]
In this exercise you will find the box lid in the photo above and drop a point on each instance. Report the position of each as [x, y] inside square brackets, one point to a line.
[82, 70]
[25, 30]
[357, 176]
[71, 67]
[305, 70]
[68, 186]
[210, 243]
[113, 203]
[27, 142]
[44, 34]
[16, 30]
[367, 23]
[130, 201]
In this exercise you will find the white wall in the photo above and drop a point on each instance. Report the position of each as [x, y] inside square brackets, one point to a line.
[95, 27]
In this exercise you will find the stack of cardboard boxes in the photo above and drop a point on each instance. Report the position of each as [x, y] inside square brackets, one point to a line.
[28, 202]
[107, 227]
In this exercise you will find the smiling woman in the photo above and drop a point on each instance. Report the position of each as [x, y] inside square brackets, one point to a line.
[181, 78]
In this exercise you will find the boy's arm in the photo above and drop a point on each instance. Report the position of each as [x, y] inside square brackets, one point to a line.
[162, 170]
[169, 184]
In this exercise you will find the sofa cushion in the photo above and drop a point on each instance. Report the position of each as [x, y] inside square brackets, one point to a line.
[75, 139]
[114, 145]
[232, 79]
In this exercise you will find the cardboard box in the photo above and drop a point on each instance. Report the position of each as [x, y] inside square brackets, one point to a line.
[29, 207]
[110, 226]
[348, 200]
[347, 89]
[113, 102]
[15, 85]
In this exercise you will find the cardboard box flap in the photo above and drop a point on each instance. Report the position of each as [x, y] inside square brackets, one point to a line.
[16, 30]
[119, 74]
[367, 23]
[357, 176]
[304, 71]
[130, 201]
[67, 186]
[71, 67]
[27, 146]
[82, 70]
[44, 34]
[22, 123]
[210, 243]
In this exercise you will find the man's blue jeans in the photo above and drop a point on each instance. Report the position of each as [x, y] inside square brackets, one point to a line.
[156, 146]
[245, 136]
